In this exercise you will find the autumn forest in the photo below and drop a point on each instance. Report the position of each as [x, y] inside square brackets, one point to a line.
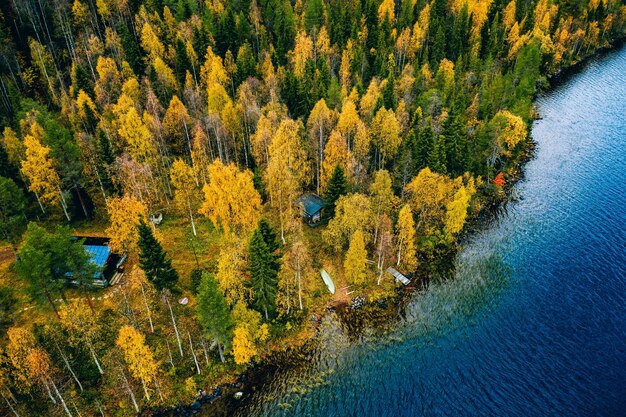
[185, 131]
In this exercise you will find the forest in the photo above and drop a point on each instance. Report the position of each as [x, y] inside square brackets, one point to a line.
[408, 117]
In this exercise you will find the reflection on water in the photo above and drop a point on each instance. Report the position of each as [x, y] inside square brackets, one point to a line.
[534, 321]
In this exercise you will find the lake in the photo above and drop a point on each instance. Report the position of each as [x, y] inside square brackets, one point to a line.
[534, 322]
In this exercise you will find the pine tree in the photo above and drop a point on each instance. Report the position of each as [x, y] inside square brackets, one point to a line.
[336, 188]
[263, 274]
[153, 259]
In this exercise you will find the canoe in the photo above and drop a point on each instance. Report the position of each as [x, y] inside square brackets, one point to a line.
[328, 281]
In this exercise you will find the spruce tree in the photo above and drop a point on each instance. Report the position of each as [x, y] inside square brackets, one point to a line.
[335, 189]
[269, 237]
[153, 259]
[263, 274]
[213, 313]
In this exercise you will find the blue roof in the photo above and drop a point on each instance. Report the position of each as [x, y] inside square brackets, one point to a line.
[99, 254]
[311, 203]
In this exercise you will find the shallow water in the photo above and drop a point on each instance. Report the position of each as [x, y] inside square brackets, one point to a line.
[534, 323]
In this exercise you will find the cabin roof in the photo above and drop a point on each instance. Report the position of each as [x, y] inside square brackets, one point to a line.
[99, 254]
[311, 203]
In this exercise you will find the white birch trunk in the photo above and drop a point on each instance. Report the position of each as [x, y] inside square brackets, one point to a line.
[195, 359]
[180, 346]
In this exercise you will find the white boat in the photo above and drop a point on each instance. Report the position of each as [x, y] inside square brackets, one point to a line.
[328, 281]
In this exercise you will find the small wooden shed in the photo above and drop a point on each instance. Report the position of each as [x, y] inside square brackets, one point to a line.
[311, 206]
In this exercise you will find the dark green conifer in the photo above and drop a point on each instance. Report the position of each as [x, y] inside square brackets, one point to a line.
[153, 259]
[213, 313]
[263, 274]
[336, 188]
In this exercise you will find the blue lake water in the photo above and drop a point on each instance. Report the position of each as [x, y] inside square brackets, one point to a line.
[534, 323]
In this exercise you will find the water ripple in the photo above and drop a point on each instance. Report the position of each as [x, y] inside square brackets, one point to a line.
[534, 323]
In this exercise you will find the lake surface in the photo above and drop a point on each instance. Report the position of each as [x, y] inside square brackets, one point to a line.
[534, 323]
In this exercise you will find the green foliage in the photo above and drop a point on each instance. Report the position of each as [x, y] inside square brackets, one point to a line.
[8, 303]
[263, 274]
[337, 187]
[212, 311]
[153, 259]
[50, 258]
[12, 206]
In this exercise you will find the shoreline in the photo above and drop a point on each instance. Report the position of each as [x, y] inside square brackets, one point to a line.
[255, 376]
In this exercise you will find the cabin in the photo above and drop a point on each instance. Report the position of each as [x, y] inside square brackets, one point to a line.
[109, 265]
[311, 206]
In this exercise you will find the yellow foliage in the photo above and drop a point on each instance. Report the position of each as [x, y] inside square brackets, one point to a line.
[137, 354]
[185, 188]
[13, 146]
[386, 134]
[164, 74]
[406, 239]
[456, 212]
[230, 199]
[137, 137]
[353, 212]
[287, 170]
[231, 272]
[82, 102]
[336, 153]
[150, 42]
[38, 168]
[429, 193]
[243, 347]
[213, 71]
[302, 53]
[386, 11]
[124, 214]
[370, 98]
[508, 18]
[262, 138]
[445, 74]
[21, 343]
[356, 259]
[508, 130]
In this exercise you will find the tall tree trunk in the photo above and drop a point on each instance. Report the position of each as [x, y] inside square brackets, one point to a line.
[63, 204]
[206, 354]
[40, 205]
[145, 389]
[130, 391]
[67, 365]
[169, 351]
[56, 390]
[299, 283]
[219, 350]
[195, 359]
[10, 405]
[45, 384]
[180, 345]
[52, 304]
[89, 303]
[80, 199]
[145, 301]
[95, 358]
[193, 224]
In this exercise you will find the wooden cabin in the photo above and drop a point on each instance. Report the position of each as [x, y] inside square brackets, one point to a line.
[311, 206]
